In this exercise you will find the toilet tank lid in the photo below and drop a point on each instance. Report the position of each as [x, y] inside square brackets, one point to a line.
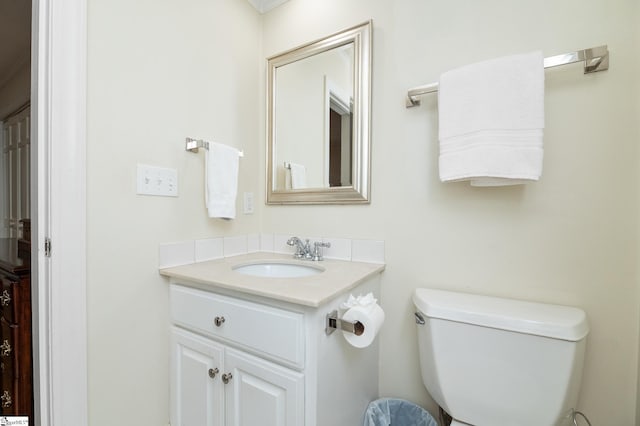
[554, 321]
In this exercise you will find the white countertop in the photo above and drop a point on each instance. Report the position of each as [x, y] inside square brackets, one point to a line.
[338, 277]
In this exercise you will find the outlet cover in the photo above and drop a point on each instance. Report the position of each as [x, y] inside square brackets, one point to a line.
[248, 203]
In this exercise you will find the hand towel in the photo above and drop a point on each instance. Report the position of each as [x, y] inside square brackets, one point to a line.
[491, 121]
[221, 180]
[298, 176]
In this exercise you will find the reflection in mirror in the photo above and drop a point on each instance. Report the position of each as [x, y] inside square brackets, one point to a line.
[318, 118]
[339, 111]
[313, 120]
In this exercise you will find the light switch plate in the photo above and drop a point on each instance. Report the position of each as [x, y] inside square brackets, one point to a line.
[160, 181]
[248, 203]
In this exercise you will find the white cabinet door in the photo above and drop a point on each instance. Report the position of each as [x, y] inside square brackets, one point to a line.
[262, 393]
[196, 390]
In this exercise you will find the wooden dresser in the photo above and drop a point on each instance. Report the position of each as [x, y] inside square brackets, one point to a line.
[16, 377]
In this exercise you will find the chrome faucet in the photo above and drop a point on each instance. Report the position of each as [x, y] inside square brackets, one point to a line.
[304, 250]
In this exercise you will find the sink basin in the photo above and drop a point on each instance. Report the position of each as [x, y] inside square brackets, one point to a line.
[272, 269]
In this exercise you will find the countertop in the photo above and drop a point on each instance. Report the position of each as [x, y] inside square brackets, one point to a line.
[338, 277]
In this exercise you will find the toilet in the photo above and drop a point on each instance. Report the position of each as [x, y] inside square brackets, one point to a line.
[489, 361]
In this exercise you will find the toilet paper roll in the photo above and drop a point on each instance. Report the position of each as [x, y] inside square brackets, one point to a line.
[371, 317]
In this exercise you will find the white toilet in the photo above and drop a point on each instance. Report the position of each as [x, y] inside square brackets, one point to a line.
[498, 362]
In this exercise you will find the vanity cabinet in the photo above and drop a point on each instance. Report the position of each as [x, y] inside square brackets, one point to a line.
[16, 377]
[240, 359]
[215, 384]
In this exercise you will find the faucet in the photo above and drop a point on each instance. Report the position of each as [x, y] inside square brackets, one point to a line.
[304, 251]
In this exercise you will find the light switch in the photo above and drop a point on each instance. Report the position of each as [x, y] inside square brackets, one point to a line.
[161, 181]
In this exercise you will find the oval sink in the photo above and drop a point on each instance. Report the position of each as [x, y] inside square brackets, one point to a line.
[272, 269]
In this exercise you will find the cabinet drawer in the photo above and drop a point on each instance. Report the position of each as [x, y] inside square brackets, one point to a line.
[274, 332]
[8, 388]
[8, 338]
[8, 300]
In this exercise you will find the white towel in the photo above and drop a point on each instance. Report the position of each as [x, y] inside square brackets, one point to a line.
[221, 180]
[491, 121]
[298, 176]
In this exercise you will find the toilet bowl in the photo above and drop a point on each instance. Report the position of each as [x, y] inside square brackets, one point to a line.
[489, 361]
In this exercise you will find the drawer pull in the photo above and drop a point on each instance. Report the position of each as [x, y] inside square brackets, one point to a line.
[5, 348]
[218, 321]
[213, 372]
[5, 299]
[6, 400]
[226, 378]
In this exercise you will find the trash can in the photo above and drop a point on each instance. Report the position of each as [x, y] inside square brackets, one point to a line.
[397, 412]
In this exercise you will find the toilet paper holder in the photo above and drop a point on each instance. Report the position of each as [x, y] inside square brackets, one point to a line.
[334, 323]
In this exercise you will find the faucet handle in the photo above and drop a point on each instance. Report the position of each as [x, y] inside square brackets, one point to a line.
[306, 249]
[317, 249]
[301, 251]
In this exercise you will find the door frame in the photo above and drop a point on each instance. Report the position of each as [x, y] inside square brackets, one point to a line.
[58, 210]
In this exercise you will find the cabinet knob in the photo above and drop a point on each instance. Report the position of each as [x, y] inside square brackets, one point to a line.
[6, 400]
[5, 348]
[5, 298]
[226, 378]
[213, 372]
[218, 321]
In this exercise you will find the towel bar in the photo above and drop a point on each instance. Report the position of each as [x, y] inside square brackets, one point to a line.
[193, 145]
[595, 59]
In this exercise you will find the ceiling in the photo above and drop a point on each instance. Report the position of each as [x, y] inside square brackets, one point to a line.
[262, 6]
[15, 37]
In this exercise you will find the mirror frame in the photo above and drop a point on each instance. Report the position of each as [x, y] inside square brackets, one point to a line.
[358, 192]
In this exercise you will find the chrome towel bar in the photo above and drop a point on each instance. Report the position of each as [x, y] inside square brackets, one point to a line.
[193, 145]
[595, 59]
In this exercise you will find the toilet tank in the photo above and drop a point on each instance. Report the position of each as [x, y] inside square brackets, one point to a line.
[493, 361]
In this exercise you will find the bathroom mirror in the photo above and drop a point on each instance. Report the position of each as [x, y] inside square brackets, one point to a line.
[319, 102]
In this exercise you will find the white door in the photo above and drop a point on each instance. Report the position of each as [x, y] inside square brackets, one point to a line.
[196, 387]
[58, 218]
[262, 393]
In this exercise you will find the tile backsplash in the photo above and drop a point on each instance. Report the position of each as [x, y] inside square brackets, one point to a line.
[185, 252]
[207, 249]
[174, 254]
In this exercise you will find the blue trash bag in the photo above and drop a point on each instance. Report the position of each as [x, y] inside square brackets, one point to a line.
[397, 412]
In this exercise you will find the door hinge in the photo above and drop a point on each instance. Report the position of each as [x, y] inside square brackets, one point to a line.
[47, 247]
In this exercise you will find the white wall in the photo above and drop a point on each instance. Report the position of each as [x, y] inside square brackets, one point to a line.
[570, 238]
[159, 71]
